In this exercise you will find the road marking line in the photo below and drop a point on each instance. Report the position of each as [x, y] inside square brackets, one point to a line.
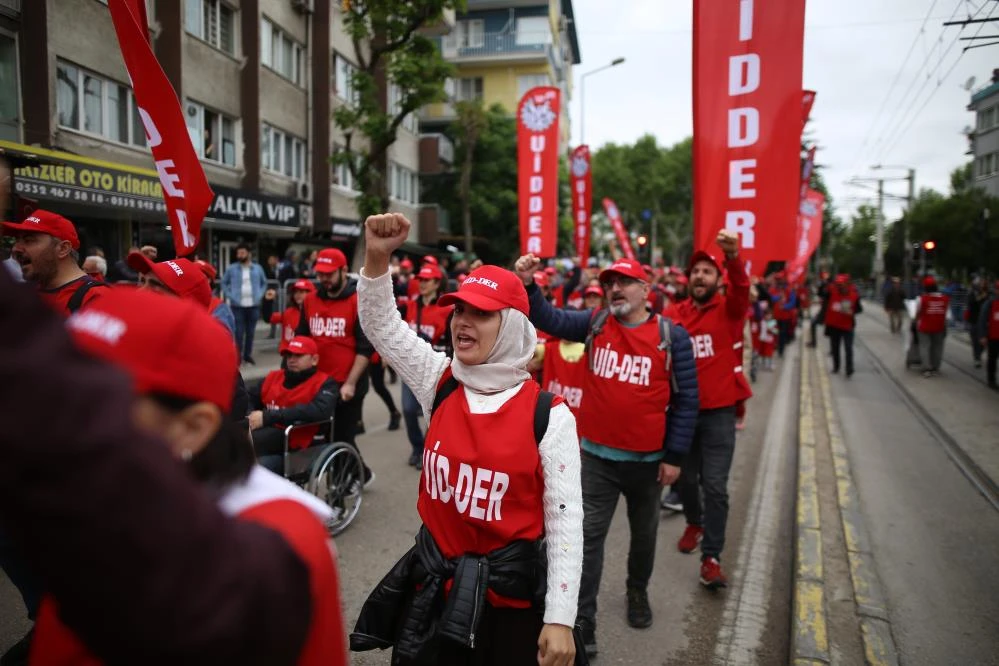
[744, 618]
[879, 645]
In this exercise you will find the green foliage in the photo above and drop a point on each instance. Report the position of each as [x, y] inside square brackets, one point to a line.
[853, 251]
[388, 48]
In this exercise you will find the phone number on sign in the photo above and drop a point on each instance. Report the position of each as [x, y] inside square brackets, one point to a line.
[85, 196]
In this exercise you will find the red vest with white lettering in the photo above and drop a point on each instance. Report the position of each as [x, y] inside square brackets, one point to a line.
[932, 313]
[575, 299]
[332, 324]
[430, 320]
[290, 319]
[627, 389]
[842, 308]
[274, 395]
[993, 329]
[56, 645]
[482, 485]
[712, 336]
[781, 297]
[563, 377]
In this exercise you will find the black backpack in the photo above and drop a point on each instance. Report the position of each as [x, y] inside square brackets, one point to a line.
[76, 300]
[542, 408]
[665, 341]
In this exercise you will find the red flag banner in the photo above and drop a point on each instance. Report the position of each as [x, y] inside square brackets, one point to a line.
[806, 173]
[747, 102]
[809, 233]
[537, 170]
[807, 99]
[185, 188]
[614, 215]
[582, 200]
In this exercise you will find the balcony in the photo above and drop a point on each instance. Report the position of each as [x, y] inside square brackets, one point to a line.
[442, 27]
[494, 47]
[10, 8]
[436, 154]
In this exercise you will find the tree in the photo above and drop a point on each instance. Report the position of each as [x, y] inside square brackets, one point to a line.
[853, 252]
[392, 56]
[472, 122]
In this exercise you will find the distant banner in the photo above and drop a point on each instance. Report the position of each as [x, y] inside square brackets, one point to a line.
[185, 187]
[806, 173]
[614, 215]
[807, 99]
[809, 233]
[581, 181]
[747, 104]
[537, 170]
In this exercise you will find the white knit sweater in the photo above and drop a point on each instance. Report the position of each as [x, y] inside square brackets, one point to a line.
[420, 367]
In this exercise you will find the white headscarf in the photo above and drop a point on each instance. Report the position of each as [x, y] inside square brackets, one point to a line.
[506, 365]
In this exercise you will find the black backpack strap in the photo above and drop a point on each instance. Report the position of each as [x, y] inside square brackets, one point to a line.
[542, 410]
[597, 322]
[666, 345]
[446, 388]
[76, 300]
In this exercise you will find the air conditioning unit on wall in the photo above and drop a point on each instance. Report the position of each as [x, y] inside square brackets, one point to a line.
[304, 6]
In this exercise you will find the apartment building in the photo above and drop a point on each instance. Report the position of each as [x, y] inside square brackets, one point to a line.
[257, 80]
[985, 137]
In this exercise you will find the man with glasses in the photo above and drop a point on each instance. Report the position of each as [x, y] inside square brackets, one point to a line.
[643, 367]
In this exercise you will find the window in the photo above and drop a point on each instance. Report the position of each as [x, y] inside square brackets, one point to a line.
[213, 21]
[9, 89]
[533, 30]
[528, 81]
[212, 134]
[90, 103]
[410, 122]
[468, 89]
[281, 53]
[987, 165]
[404, 184]
[468, 34]
[283, 153]
[344, 82]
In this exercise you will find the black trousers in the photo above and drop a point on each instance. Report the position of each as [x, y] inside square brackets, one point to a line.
[506, 637]
[836, 337]
[376, 371]
[706, 469]
[785, 335]
[348, 414]
[993, 359]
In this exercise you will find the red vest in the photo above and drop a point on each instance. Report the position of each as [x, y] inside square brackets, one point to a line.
[562, 377]
[290, 319]
[712, 336]
[274, 395]
[430, 320]
[56, 645]
[993, 329]
[780, 298]
[332, 325]
[575, 299]
[932, 313]
[627, 389]
[842, 308]
[482, 487]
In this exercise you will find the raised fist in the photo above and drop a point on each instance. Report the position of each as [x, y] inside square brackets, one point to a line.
[525, 267]
[728, 241]
[385, 233]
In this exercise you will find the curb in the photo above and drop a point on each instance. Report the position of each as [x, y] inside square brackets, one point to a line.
[809, 633]
[868, 593]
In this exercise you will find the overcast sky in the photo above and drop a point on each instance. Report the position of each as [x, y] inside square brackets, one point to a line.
[854, 50]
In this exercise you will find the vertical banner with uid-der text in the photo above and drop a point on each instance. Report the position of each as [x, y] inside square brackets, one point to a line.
[581, 182]
[537, 170]
[809, 233]
[614, 215]
[747, 124]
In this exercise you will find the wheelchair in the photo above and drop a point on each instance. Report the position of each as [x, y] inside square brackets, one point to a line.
[332, 471]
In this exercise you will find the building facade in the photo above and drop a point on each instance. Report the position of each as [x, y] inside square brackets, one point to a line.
[257, 81]
[985, 137]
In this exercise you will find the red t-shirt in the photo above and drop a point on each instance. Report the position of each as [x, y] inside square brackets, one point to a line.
[60, 297]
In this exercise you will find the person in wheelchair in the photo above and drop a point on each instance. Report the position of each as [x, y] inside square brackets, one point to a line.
[298, 394]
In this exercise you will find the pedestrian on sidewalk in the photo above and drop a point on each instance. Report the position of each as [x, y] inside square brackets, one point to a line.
[243, 285]
[895, 304]
[931, 324]
[492, 432]
[820, 316]
[976, 299]
[987, 334]
[842, 309]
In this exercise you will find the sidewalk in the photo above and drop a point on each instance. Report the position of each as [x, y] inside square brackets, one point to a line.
[265, 353]
[964, 411]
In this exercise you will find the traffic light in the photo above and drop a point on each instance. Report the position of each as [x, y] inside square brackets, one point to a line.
[929, 246]
[642, 240]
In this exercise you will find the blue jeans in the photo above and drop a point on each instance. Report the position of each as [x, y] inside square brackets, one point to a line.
[246, 324]
[706, 468]
[411, 412]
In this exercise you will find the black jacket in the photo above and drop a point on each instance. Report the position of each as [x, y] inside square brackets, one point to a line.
[320, 407]
[407, 609]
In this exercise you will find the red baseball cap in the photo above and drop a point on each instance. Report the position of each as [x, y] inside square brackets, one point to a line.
[330, 260]
[490, 288]
[181, 276]
[405, 263]
[842, 278]
[682, 279]
[207, 269]
[430, 259]
[701, 255]
[626, 267]
[301, 344]
[929, 281]
[303, 285]
[593, 291]
[430, 272]
[167, 345]
[45, 222]
[541, 279]
[551, 270]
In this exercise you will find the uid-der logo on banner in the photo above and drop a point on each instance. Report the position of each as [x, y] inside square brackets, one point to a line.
[582, 203]
[537, 170]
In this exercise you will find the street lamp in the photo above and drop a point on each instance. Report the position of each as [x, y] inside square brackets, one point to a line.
[910, 200]
[582, 96]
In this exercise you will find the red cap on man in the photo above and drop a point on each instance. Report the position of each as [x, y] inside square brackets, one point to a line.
[929, 281]
[626, 267]
[406, 263]
[541, 279]
[430, 272]
[207, 269]
[303, 285]
[45, 222]
[182, 277]
[701, 255]
[330, 260]
[842, 278]
[430, 259]
[301, 344]
[168, 345]
[550, 270]
[490, 288]
[593, 291]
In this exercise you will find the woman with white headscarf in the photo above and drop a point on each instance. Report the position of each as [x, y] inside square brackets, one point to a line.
[494, 575]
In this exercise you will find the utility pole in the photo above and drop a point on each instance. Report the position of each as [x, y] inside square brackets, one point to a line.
[879, 241]
[906, 223]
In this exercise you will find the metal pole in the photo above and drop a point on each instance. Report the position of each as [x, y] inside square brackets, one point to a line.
[906, 225]
[879, 241]
[582, 110]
